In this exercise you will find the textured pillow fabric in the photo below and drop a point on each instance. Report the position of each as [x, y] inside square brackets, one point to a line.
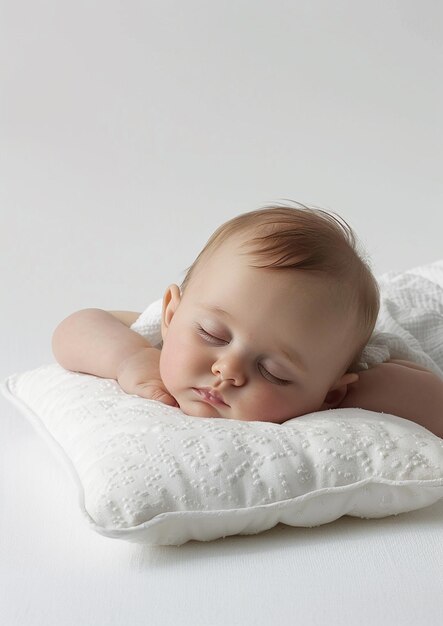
[147, 472]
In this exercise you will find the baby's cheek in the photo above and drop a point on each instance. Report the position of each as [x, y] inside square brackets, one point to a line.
[270, 406]
[172, 365]
[169, 370]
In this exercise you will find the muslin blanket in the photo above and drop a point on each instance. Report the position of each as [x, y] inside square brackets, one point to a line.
[409, 325]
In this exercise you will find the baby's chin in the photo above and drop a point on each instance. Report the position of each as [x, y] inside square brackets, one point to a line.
[202, 409]
[199, 409]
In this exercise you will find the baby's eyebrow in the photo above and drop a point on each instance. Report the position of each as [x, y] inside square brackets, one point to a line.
[294, 358]
[216, 309]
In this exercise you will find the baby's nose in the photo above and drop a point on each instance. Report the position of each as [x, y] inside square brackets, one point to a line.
[230, 369]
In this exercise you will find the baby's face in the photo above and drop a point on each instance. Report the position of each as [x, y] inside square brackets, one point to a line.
[251, 344]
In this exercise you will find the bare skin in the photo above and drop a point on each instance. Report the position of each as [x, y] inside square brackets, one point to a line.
[101, 343]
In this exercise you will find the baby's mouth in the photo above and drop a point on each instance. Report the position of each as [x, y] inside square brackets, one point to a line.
[210, 396]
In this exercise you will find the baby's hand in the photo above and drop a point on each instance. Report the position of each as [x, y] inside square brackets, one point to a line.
[140, 374]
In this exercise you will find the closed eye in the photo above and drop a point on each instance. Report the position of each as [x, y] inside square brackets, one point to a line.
[271, 377]
[210, 338]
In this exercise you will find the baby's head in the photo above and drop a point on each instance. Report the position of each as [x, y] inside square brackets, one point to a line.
[270, 319]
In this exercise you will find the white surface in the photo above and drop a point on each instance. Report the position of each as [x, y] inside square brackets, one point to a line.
[128, 132]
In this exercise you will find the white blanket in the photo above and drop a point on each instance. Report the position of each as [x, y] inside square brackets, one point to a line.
[409, 326]
[410, 322]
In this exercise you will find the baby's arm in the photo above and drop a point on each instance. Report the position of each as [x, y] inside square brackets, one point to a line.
[101, 343]
[400, 388]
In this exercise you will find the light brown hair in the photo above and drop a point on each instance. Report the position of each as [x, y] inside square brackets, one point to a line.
[301, 238]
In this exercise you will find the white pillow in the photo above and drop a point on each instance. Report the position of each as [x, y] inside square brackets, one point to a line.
[149, 473]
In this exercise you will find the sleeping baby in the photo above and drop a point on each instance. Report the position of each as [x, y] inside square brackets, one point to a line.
[270, 323]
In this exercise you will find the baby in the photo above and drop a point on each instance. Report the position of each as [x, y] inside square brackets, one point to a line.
[268, 324]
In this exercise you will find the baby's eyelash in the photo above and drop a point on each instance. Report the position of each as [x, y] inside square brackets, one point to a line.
[211, 338]
[272, 378]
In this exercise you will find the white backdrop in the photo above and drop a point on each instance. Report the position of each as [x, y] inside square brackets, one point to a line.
[129, 130]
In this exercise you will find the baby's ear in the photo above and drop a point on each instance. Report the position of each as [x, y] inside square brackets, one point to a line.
[171, 300]
[338, 391]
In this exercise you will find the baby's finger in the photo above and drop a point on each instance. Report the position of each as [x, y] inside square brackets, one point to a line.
[167, 399]
[154, 392]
